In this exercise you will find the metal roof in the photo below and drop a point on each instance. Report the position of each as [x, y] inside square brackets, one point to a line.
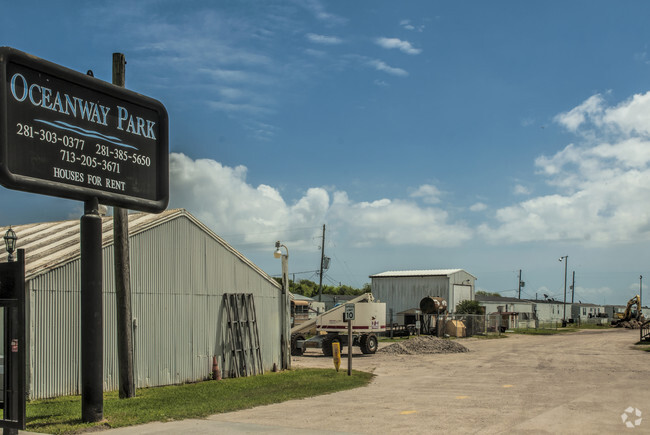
[431, 272]
[49, 245]
[490, 298]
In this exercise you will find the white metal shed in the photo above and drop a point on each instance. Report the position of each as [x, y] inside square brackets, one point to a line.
[403, 290]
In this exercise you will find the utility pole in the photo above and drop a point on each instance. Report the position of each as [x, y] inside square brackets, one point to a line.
[566, 260]
[519, 283]
[322, 257]
[573, 286]
[123, 274]
[640, 292]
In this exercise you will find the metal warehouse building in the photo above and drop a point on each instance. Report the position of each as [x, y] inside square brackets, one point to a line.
[180, 271]
[403, 290]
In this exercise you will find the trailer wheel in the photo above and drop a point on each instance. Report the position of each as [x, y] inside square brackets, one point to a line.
[327, 345]
[295, 350]
[369, 344]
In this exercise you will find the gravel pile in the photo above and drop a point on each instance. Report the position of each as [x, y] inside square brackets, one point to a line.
[422, 345]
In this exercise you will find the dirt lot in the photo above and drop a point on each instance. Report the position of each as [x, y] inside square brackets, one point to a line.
[578, 383]
[575, 383]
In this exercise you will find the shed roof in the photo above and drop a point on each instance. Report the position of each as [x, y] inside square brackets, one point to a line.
[429, 272]
[49, 245]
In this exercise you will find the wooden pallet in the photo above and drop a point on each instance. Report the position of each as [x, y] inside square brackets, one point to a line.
[243, 335]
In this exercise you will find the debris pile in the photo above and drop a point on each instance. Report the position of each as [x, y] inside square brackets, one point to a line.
[424, 344]
[629, 324]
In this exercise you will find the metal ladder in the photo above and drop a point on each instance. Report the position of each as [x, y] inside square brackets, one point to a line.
[245, 354]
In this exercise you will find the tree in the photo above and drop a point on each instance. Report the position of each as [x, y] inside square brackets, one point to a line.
[469, 307]
[484, 293]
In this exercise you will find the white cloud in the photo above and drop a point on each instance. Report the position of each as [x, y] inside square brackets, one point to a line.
[631, 116]
[602, 183]
[407, 25]
[574, 118]
[323, 39]
[521, 190]
[429, 194]
[382, 66]
[316, 7]
[403, 46]
[396, 222]
[479, 206]
[221, 197]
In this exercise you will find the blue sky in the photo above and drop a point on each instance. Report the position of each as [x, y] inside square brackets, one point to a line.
[488, 136]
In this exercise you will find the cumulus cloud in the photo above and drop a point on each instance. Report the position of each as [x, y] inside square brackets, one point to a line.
[323, 39]
[396, 222]
[601, 182]
[221, 197]
[403, 46]
[574, 118]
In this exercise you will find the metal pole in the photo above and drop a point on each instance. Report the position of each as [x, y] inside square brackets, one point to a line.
[92, 341]
[519, 283]
[566, 260]
[287, 310]
[349, 347]
[641, 293]
[124, 327]
[573, 286]
[322, 256]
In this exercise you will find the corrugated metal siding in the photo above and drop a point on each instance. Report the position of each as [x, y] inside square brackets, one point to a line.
[179, 273]
[404, 293]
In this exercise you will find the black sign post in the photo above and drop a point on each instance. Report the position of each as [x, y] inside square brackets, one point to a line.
[12, 303]
[66, 134]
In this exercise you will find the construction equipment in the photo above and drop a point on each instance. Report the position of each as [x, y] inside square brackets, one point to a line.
[627, 319]
[329, 327]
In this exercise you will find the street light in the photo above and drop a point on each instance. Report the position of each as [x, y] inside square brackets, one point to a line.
[10, 243]
[566, 260]
[285, 341]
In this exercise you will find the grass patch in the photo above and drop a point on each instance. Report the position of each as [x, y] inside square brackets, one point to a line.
[642, 345]
[177, 402]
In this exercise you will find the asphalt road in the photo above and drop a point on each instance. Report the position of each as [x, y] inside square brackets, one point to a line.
[572, 383]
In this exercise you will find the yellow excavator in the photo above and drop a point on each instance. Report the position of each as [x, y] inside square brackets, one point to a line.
[626, 316]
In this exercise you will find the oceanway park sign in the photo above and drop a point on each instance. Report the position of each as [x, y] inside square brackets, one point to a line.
[67, 134]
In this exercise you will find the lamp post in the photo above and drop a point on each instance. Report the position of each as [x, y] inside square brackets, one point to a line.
[285, 340]
[566, 260]
[10, 243]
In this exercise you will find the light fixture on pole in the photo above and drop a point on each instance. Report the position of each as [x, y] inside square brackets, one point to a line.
[10, 243]
[566, 260]
[285, 340]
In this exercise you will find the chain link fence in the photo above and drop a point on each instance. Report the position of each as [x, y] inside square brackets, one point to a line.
[467, 325]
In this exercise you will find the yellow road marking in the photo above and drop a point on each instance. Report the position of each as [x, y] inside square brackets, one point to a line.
[462, 397]
[408, 412]
[507, 386]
